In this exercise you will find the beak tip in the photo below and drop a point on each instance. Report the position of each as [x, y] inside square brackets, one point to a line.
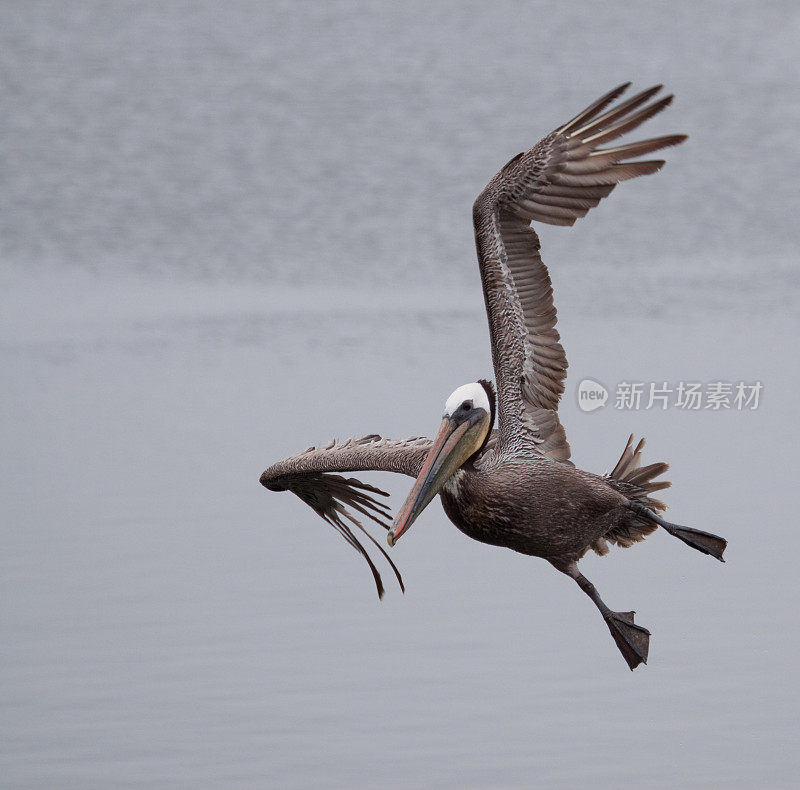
[390, 539]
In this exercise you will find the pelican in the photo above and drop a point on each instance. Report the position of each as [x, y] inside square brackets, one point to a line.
[501, 461]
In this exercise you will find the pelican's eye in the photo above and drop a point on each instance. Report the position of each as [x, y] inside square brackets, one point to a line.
[466, 405]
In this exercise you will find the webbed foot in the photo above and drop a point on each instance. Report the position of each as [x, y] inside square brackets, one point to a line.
[702, 541]
[632, 640]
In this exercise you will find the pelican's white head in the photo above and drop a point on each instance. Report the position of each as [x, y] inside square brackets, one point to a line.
[466, 397]
[467, 423]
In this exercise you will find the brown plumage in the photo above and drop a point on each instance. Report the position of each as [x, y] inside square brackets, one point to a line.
[515, 485]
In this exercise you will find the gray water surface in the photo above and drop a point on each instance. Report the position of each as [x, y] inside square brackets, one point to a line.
[230, 231]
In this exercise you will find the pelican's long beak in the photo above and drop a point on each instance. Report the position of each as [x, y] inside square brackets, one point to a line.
[455, 443]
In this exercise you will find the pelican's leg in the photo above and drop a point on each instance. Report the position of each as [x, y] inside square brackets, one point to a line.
[710, 544]
[632, 640]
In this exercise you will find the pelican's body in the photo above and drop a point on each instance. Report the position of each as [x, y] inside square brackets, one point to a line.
[498, 500]
[512, 484]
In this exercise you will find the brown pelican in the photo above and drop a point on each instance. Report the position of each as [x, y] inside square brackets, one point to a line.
[513, 485]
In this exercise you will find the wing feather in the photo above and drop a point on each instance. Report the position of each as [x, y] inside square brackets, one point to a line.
[312, 476]
[556, 182]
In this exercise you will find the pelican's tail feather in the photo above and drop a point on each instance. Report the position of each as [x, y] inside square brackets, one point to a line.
[636, 482]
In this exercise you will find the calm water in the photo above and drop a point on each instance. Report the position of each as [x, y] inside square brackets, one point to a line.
[229, 232]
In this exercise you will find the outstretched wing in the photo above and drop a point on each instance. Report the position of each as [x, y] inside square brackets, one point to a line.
[557, 181]
[311, 475]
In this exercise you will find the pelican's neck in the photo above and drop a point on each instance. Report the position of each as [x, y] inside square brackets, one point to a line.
[454, 482]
